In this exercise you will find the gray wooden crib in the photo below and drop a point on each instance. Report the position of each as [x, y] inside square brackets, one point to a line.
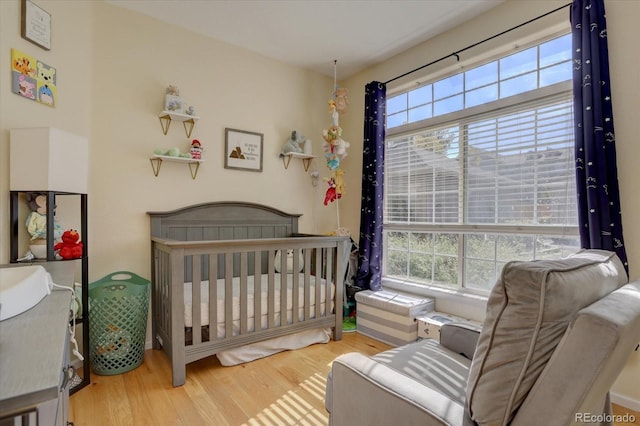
[258, 278]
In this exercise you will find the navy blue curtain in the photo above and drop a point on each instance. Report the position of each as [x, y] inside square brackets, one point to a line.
[599, 212]
[369, 275]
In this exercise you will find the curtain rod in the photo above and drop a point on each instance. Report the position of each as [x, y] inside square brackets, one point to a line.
[456, 53]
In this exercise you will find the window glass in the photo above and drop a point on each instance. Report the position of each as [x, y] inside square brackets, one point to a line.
[519, 63]
[396, 104]
[448, 86]
[481, 76]
[420, 96]
[460, 196]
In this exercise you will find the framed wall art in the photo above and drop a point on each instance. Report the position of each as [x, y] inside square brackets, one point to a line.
[36, 24]
[243, 150]
[33, 79]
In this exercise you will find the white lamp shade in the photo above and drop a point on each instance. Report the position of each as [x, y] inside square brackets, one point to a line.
[48, 159]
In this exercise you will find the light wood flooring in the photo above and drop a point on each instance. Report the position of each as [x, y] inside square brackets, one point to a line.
[284, 389]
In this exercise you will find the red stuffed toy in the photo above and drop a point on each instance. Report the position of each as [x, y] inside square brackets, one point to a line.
[70, 247]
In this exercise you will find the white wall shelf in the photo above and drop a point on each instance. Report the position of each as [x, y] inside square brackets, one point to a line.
[156, 162]
[306, 159]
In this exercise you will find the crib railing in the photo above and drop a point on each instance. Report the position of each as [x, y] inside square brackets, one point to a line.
[237, 263]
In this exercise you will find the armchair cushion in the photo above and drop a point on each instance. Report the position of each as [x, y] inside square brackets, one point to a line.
[528, 312]
[421, 383]
[460, 337]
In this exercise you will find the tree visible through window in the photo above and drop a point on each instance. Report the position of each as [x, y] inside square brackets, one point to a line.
[492, 181]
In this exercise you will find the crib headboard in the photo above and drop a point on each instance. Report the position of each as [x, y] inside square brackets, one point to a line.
[223, 220]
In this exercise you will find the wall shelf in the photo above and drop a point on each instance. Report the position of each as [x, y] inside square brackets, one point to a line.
[306, 159]
[188, 121]
[156, 162]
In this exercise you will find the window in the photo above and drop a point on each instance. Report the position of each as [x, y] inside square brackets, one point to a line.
[479, 170]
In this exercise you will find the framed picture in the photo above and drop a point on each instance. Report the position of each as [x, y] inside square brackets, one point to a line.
[243, 150]
[36, 24]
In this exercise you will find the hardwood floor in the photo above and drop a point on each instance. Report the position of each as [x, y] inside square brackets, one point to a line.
[284, 389]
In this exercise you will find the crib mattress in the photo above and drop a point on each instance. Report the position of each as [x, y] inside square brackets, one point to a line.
[302, 310]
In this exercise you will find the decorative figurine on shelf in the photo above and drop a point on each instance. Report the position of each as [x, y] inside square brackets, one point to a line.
[172, 90]
[37, 224]
[172, 100]
[70, 247]
[190, 111]
[308, 147]
[196, 150]
[293, 144]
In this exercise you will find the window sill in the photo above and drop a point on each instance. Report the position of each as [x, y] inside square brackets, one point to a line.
[450, 300]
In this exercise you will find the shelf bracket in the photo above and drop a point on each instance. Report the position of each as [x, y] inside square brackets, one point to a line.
[306, 163]
[188, 129]
[155, 164]
[194, 171]
[286, 159]
[165, 122]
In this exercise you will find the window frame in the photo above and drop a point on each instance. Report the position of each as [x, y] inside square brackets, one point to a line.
[463, 229]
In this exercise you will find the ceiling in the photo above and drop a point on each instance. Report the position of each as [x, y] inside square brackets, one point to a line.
[313, 33]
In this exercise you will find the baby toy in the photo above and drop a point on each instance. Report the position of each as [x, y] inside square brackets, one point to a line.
[338, 178]
[196, 150]
[293, 144]
[331, 195]
[172, 152]
[341, 100]
[37, 220]
[70, 247]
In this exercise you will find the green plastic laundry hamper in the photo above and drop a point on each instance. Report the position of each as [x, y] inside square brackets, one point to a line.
[118, 309]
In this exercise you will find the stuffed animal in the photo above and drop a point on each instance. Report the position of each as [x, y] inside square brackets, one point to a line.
[331, 194]
[293, 144]
[196, 150]
[332, 134]
[70, 247]
[341, 100]
[338, 179]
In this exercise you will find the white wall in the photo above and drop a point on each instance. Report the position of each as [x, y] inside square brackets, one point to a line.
[623, 34]
[113, 66]
[229, 87]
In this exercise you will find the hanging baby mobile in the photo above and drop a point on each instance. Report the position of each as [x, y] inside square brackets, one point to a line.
[334, 147]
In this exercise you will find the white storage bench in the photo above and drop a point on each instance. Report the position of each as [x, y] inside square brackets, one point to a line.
[429, 324]
[389, 316]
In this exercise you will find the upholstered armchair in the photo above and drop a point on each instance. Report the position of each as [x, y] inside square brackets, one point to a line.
[555, 337]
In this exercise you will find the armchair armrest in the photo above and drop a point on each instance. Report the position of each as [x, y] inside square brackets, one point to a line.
[362, 391]
[460, 337]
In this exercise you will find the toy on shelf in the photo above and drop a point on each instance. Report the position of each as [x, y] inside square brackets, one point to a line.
[70, 247]
[196, 150]
[36, 224]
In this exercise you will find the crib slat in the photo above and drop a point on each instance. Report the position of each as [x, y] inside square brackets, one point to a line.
[329, 279]
[284, 276]
[271, 302]
[243, 293]
[319, 275]
[295, 287]
[196, 295]
[213, 297]
[307, 284]
[257, 292]
[228, 295]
